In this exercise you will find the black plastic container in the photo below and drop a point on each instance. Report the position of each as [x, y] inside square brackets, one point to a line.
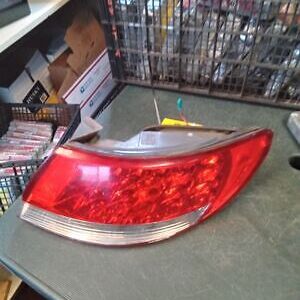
[12, 186]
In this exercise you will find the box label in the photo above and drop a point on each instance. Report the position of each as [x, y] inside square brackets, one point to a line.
[85, 86]
[37, 95]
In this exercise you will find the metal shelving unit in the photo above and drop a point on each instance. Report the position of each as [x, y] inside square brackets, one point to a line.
[40, 11]
[241, 50]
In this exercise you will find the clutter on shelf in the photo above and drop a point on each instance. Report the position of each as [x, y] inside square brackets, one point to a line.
[25, 140]
[72, 68]
[29, 134]
[247, 48]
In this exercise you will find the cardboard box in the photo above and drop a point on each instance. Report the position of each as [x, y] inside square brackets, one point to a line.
[37, 68]
[33, 85]
[69, 80]
[92, 87]
[61, 75]
[4, 289]
[15, 90]
[36, 65]
[90, 106]
[58, 70]
[85, 37]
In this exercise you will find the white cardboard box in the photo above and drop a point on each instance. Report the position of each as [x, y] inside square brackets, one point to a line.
[17, 90]
[92, 87]
[35, 70]
[37, 67]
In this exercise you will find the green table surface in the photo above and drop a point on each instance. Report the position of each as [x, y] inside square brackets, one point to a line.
[250, 250]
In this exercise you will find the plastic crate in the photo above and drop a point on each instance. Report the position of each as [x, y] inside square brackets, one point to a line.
[19, 173]
[244, 49]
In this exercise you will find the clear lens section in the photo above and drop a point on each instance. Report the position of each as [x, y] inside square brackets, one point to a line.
[109, 235]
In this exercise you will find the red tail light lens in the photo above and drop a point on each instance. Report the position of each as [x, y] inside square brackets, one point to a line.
[118, 199]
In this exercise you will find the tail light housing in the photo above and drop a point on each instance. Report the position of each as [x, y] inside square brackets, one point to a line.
[149, 188]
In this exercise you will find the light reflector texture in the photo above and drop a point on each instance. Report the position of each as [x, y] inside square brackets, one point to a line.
[116, 200]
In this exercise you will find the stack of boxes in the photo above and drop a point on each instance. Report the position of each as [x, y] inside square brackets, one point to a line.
[75, 70]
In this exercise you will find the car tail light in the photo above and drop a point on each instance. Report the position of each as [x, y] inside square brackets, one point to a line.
[132, 196]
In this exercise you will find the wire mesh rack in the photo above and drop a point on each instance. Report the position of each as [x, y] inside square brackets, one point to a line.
[14, 175]
[238, 49]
